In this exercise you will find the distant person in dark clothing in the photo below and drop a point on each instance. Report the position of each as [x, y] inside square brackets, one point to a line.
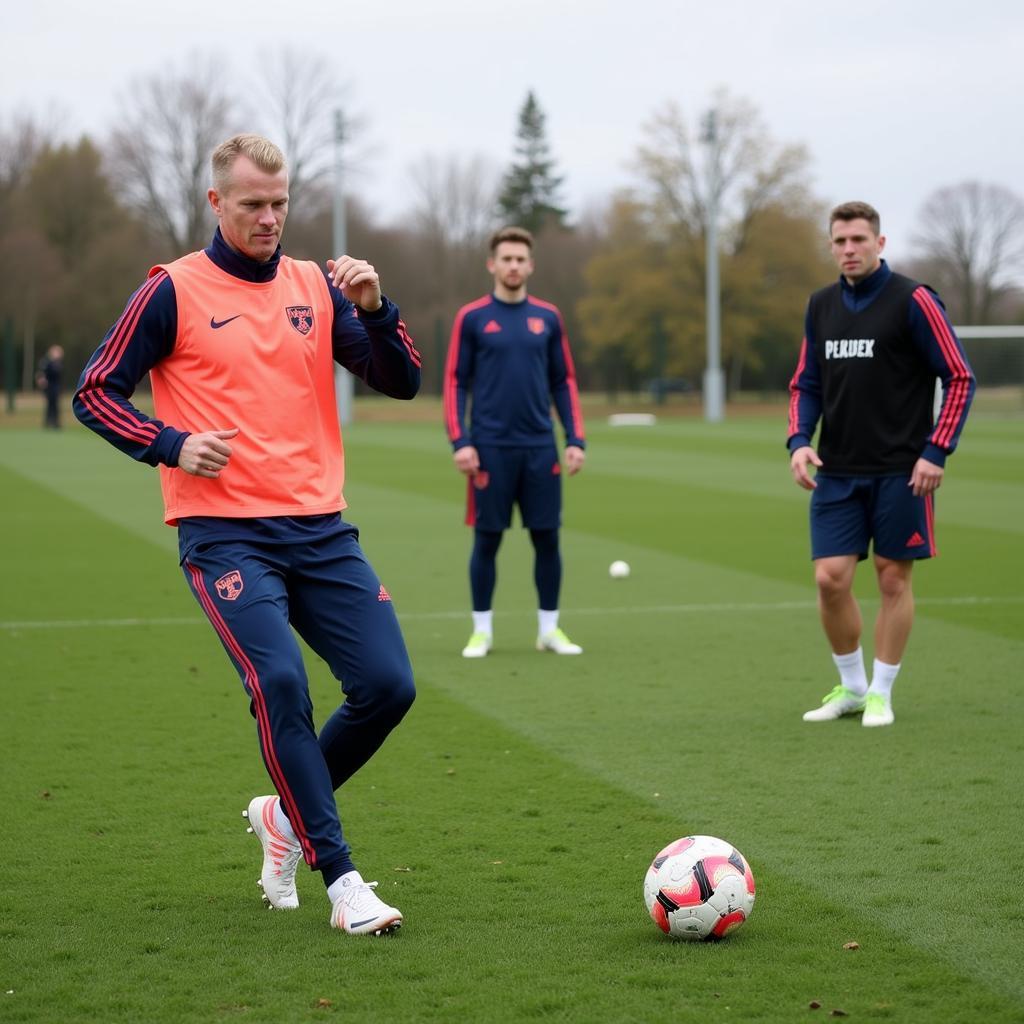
[51, 369]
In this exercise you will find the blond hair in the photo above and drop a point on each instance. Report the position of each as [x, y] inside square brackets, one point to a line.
[262, 152]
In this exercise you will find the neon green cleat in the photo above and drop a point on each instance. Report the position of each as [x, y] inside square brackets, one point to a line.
[557, 642]
[837, 703]
[478, 646]
[877, 711]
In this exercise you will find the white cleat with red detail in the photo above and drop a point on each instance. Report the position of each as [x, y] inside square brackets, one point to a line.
[281, 855]
[360, 911]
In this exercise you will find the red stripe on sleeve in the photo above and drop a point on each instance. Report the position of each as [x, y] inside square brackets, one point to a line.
[451, 401]
[957, 389]
[794, 391]
[117, 419]
[410, 347]
[570, 367]
[122, 332]
[574, 394]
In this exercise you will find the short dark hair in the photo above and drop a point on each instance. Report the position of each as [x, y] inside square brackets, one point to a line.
[856, 210]
[511, 234]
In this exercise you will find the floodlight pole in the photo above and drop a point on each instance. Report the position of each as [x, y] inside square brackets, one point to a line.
[342, 378]
[714, 383]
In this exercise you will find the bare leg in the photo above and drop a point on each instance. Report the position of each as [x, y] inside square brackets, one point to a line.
[840, 613]
[896, 614]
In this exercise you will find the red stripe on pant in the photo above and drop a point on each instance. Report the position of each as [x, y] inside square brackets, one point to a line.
[262, 717]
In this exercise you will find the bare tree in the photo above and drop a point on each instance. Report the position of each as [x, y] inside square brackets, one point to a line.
[654, 262]
[971, 242]
[22, 139]
[302, 96]
[28, 267]
[746, 167]
[455, 199]
[161, 148]
[453, 215]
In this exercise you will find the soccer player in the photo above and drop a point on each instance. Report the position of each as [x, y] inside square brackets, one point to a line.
[874, 343]
[509, 361]
[240, 343]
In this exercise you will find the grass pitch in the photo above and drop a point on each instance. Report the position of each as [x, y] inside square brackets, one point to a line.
[514, 813]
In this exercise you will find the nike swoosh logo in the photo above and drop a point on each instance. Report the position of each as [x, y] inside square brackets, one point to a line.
[215, 324]
[359, 924]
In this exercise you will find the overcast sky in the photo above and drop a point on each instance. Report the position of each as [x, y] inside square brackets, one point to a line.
[892, 99]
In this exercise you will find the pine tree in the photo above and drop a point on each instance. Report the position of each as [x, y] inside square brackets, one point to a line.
[529, 193]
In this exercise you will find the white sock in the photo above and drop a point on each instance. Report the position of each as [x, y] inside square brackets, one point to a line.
[339, 885]
[547, 622]
[882, 678]
[282, 824]
[851, 671]
[483, 622]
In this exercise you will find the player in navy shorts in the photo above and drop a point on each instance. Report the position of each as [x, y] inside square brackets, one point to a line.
[508, 363]
[874, 344]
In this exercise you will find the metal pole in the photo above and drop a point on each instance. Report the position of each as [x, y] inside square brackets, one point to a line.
[9, 370]
[342, 378]
[714, 383]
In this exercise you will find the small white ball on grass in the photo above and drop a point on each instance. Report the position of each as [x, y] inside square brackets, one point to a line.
[618, 570]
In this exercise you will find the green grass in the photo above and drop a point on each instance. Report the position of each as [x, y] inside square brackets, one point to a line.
[513, 815]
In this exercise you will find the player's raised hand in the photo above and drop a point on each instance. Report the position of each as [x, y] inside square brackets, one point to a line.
[798, 464]
[357, 281]
[206, 454]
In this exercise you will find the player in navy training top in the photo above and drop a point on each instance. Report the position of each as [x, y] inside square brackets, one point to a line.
[874, 344]
[509, 362]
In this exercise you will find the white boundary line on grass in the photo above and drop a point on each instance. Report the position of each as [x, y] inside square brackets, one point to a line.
[654, 609]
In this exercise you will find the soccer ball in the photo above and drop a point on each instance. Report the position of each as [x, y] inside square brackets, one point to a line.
[699, 887]
[618, 570]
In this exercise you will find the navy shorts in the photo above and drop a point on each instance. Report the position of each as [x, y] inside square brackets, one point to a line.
[528, 477]
[849, 512]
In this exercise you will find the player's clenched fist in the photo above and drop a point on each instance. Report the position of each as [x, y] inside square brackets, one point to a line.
[206, 454]
[357, 281]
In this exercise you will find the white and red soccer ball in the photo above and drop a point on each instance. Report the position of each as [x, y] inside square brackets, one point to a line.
[699, 887]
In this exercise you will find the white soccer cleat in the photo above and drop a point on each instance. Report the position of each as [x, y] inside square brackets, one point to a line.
[838, 702]
[877, 711]
[360, 911]
[557, 642]
[281, 855]
[478, 646]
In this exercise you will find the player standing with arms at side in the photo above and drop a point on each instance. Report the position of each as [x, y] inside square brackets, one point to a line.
[240, 342]
[873, 345]
[509, 361]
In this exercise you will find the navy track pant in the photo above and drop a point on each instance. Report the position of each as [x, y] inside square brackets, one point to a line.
[327, 591]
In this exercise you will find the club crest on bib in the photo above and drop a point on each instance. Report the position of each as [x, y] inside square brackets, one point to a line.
[535, 324]
[229, 586]
[301, 318]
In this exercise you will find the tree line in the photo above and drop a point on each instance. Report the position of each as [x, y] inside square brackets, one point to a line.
[82, 221]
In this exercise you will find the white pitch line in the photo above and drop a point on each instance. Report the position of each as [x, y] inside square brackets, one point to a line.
[651, 609]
